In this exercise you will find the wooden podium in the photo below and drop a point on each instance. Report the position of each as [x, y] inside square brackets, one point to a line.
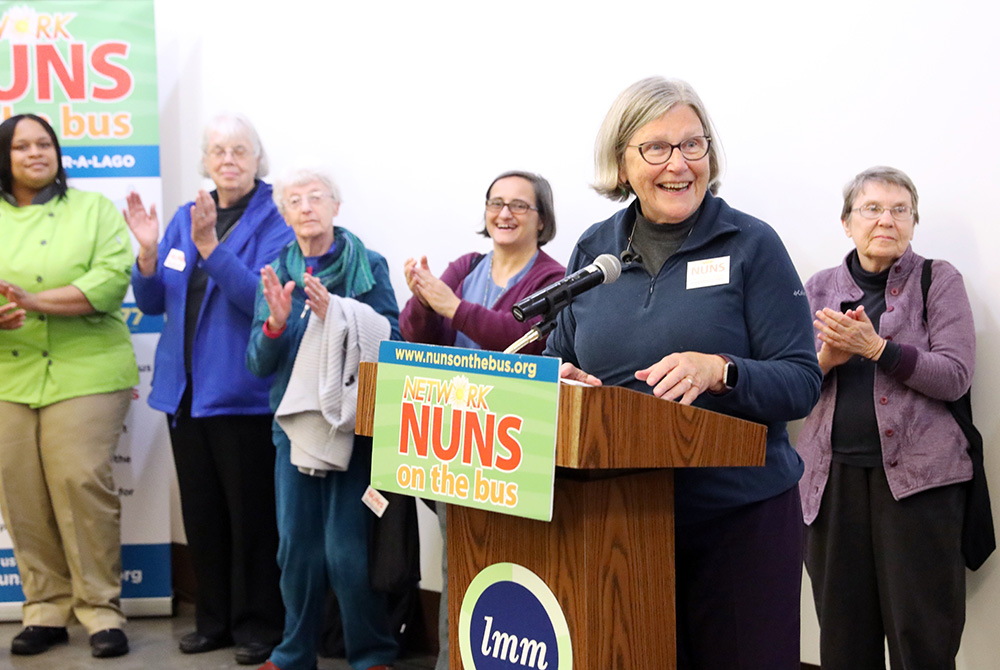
[608, 554]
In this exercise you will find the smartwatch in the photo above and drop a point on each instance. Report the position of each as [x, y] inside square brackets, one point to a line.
[730, 375]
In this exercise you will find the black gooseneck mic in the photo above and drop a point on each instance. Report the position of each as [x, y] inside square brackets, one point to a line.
[605, 269]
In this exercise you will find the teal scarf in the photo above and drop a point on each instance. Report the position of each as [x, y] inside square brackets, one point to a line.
[350, 269]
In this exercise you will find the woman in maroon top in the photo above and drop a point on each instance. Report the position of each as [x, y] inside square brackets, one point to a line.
[469, 305]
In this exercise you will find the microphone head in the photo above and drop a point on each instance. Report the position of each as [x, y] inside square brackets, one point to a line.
[610, 266]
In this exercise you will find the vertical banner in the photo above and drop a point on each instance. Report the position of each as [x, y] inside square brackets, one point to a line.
[89, 68]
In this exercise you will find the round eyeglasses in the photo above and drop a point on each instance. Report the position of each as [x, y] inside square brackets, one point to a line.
[295, 202]
[515, 206]
[658, 152]
[239, 152]
[874, 211]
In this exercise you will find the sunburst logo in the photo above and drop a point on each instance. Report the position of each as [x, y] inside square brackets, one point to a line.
[460, 392]
[19, 24]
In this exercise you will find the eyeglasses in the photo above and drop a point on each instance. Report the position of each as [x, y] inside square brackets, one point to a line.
[314, 198]
[658, 152]
[239, 151]
[515, 206]
[874, 210]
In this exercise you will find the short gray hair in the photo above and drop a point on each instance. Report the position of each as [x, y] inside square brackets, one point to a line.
[231, 125]
[642, 102]
[301, 177]
[883, 175]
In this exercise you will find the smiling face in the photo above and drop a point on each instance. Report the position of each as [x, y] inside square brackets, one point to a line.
[671, 192]
[508, 230]
[231, 163]
[309, 209]
[879, 241]
[33, 160]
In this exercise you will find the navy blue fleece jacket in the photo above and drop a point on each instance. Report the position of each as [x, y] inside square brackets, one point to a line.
[760, 319]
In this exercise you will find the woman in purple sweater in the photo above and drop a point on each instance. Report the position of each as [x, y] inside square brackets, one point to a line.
[469, 305]
[885, 461]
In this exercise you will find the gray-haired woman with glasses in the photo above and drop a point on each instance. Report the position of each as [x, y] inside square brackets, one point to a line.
[885, 460]
[470, 304]
[203, 275]
[709, 311]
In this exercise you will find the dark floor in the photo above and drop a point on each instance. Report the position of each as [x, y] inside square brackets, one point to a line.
[153, 643]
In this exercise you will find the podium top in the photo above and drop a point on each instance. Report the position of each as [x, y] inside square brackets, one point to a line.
[614, 427]
[610, 428]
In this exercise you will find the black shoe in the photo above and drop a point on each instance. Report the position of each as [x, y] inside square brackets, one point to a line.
[36, 639]
[253, 653]
[196, 643]
[108, 643]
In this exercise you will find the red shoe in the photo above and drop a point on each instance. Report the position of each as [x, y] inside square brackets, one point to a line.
[269, 666]
[377, 667]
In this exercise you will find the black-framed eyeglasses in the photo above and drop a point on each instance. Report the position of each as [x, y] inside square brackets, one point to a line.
[873, 211]
[515, 206]
[658, 152]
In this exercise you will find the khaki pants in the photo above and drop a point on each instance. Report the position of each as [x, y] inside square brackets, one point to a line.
[61, 508]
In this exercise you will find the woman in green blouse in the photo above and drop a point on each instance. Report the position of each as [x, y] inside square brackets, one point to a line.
[66, 375]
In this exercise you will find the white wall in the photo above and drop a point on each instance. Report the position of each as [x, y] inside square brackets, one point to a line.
[416, 106]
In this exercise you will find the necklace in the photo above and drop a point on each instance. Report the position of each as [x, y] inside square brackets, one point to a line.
[487, 303]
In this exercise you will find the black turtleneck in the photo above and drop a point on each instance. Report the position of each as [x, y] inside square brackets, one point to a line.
[855, 434]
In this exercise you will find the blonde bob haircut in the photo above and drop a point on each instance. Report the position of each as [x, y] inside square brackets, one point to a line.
[644, 101]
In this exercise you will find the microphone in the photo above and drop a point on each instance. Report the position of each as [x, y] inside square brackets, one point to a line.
[549, 300]
[629, 256]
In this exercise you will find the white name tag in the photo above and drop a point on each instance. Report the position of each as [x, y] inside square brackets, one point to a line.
[709, 272]
[375, 501]
[175, 260]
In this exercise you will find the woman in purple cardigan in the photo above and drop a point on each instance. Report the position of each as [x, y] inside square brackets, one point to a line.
[885, 461]
[469, 305]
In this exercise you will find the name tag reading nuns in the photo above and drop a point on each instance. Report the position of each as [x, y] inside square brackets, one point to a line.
[175, 260]
[709, 272]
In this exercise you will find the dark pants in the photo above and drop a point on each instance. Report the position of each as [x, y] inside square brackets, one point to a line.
[886, 569]
[225, 472]
[324, 544]
[739, 581]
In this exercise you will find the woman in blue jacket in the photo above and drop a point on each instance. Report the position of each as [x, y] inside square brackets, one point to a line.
[203, 275]
[708, 311]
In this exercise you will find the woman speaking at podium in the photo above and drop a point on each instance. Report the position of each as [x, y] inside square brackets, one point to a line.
[708, 311]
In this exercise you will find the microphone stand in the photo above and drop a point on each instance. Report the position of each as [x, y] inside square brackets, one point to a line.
[541, 330]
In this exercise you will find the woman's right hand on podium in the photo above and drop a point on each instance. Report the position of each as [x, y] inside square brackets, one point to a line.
[573, 373]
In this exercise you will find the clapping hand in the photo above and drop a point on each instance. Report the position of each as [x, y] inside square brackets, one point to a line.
[278, 297]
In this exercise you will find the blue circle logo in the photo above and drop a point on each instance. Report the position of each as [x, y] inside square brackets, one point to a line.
[511, 619]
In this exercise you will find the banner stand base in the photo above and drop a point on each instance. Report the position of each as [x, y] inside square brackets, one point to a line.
[133, 607]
